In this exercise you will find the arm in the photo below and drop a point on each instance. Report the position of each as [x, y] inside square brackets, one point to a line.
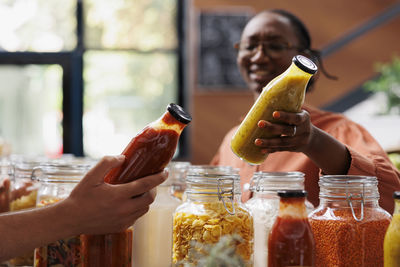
[347, 149]
[93, 207]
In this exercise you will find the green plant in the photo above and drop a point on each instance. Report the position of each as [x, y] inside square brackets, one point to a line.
[395, 158]
[389, 83]
[221, 254]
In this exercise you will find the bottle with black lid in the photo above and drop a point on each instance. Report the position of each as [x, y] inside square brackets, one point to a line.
[152, 149]
[285, 92]
[291, 241]
[148, 153]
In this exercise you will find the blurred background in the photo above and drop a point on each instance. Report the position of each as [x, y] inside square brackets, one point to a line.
[84, 76]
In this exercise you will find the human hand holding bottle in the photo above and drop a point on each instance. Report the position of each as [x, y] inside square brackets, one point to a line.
[93, 207]
[296, 133]
[108, 208]
[293, 132]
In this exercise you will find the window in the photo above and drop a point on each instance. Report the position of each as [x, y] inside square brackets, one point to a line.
[84, 76]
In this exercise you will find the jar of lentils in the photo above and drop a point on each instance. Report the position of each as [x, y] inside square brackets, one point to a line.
[349, 226]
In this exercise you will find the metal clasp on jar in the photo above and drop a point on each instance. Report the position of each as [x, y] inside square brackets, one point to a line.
[350, 197]
[230, 192]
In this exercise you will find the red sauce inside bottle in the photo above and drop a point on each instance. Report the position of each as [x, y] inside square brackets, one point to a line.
[148, 153]
[291, 242]
[107, 250]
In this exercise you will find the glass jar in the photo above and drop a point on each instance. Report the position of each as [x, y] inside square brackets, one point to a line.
[264, 206]
[5, 189]
[24, 193]
[211, 213]
[24, 188]
[349, 226]
[56, 182]
[391, 246]
[5, 184]
[177, 171]
[152, 233]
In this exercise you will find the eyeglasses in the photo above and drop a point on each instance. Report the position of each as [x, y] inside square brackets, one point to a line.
[272, 49]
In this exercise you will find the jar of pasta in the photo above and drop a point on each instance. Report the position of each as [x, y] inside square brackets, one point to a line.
[212, 213]
[24, 193]
[349, 226]
[264, 206]
[56, 182]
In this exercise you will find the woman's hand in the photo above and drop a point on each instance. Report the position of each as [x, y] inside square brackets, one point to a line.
[99, 207]
[296, 133]
[293, 130]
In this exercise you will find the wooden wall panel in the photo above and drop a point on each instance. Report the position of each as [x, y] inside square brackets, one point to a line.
[216, 112]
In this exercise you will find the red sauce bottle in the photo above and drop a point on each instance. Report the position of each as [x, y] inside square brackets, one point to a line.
[148, 153]
[152, 149]
[291, 241]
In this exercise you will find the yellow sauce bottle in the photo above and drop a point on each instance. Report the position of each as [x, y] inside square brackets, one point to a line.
[391, 245]
[286, 93]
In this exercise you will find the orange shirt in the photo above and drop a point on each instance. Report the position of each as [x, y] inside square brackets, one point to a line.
[367, 158]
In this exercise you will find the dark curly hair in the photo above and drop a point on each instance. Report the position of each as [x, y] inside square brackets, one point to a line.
[304, 38]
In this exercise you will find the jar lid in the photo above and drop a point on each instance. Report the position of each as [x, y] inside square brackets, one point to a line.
[274, 181]
[54, 172]
[177, 172]
[355, 189]
[292, 193]
[305, 64]
[179, 114]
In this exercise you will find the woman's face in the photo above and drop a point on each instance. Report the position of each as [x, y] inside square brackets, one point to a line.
[266, 49]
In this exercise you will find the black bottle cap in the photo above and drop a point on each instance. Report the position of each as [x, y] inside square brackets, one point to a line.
[179, 114]
[305, 64]
[396, 195]
[292, 193]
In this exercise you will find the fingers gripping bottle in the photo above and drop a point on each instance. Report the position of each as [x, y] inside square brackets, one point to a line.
[284, 93]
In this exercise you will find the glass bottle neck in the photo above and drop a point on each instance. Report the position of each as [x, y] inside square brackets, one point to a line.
[167, 121]
[292, 207]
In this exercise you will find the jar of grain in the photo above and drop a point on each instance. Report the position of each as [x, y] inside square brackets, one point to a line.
[211, 212]
[264, 206]
[349, 226]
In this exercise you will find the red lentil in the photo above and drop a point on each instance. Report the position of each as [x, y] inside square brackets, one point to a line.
[341, 241]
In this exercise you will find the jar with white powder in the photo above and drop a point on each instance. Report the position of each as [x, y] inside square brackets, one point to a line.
[264, 206]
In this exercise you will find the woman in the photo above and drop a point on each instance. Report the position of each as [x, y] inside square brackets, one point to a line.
[327, 143]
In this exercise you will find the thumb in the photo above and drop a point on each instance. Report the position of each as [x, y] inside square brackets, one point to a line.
[98, 172]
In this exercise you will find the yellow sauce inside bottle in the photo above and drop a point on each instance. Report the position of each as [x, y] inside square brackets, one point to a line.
[284, 93]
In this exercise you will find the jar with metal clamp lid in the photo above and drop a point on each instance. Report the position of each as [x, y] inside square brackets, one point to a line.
[349, 226]
[56, 183]
[264, 206]
[211, 211]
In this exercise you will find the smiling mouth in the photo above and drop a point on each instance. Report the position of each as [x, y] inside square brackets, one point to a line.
[260, 72]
